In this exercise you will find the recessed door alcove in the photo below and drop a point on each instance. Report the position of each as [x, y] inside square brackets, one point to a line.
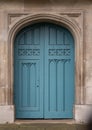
[44, 72]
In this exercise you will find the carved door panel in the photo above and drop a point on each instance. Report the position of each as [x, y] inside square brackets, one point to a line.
[29, 73]
[44, 72]
[59, 72]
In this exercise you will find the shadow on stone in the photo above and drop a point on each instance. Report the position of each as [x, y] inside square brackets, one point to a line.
[90, 123]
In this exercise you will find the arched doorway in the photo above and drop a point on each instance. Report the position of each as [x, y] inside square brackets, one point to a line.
[44, 72]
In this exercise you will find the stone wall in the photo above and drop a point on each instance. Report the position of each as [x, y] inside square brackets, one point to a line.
[13, 10]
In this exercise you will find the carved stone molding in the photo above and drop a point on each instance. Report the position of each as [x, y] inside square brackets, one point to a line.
[76, 15]
[12, 17]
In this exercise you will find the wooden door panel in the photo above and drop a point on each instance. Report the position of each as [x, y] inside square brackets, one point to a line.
[59, 60]
[29, 70]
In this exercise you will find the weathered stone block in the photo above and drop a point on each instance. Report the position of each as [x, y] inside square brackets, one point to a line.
[6, 114]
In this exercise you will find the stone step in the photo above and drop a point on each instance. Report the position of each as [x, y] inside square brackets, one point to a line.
[42, 126]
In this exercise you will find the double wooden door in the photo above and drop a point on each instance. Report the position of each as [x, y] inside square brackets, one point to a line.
[44, 72]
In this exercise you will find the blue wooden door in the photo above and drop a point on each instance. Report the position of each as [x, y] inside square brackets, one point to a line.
[59, 72]
[44, 72]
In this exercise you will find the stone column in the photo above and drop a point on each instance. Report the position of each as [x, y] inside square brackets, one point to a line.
[83, 111]
[6, 105]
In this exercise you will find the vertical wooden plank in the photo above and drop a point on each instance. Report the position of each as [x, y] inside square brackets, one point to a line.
[69, 83]
[28, 36]
[60, 80]
[36, 36]
[67, 38]
[38, 84]
[52, 36]
[19, 85]
[21, 39]
[67, 86]
[32, 85]
[52, 86]
[24, 91]
[59, 37]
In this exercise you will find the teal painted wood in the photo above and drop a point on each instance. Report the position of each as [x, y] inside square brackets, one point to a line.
[59, 72]
[44, 72]
[29, 73]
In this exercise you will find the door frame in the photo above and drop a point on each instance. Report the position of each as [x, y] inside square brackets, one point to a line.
[78, 39]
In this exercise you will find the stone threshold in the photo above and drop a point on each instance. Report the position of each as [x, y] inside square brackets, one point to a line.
[43, 125]
[66, 121]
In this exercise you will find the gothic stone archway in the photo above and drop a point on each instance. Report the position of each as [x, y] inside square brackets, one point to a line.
[60, 20]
